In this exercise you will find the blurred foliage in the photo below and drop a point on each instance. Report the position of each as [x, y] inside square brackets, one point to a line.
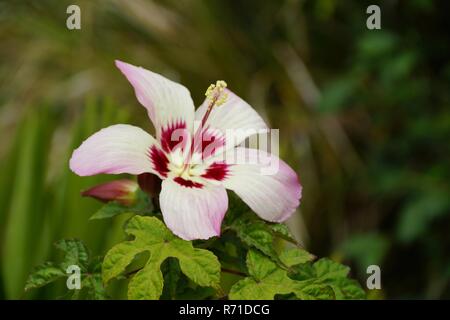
[363, 116]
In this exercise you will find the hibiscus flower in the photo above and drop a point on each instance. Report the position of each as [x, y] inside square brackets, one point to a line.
[196, 153]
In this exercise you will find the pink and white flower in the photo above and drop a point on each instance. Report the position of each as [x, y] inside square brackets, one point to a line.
[194, 156]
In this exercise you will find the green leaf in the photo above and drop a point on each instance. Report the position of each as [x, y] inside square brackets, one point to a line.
[94, 287]
[266, 281]
[151, 235]
[256, 235]
[76, 253]
[259, 266]
[110, 210]
[43, 275]
[93, 280]
[345, 288]
[282, 231]
[326, 272]
[294, 256]
[252, 231]
[142, 206]
[335, 275]
[324, 279]
[172, 275]
[196, 293]
[316, 292]
[259, 234]
[328, 269]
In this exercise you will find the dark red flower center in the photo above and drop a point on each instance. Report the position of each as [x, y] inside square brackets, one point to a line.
[206, 142]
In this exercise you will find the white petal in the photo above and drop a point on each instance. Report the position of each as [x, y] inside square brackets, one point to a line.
[193, 213]
[266, 184]
[167, 102]
[116, 149]
[235, 118]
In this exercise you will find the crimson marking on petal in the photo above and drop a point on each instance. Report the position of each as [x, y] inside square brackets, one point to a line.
[187, 183]
[216, 171]
[159, 161]
[211, 141]
[173, 134]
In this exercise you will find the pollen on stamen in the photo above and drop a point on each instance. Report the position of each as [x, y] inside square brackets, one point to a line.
[216, 96]
[215, 93]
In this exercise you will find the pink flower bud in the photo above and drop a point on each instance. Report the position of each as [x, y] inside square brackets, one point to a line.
[122, 191]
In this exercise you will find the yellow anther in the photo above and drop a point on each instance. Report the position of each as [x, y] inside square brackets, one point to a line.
[220, 84]
[223, 98]
[210, 90]
[215, 93]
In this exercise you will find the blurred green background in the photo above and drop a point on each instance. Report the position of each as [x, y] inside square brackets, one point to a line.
[363, 115]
